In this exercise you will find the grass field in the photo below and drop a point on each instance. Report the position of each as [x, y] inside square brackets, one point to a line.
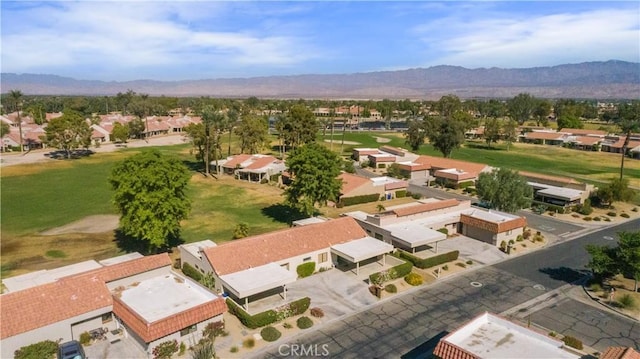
[42, 196]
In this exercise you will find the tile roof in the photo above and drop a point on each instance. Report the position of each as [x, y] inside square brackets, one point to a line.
[171, 324]
[493, 227]
[446, 350]
[382, 158]
[270, 247]
[582, 131]
[444, 163]
[620, 353]
[413, 166]
[620, 143]
[587, 140]
[424, 207]
[236, 160]
[396, 185]
[545, 135]
[46, 304]
[350, 182]
[260, 162]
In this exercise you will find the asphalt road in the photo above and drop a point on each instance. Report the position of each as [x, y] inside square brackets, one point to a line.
[406, 325]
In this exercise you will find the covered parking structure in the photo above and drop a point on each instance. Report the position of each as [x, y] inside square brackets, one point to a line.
[559, 196]
[360, 250]
[414, 235]
[263, 281]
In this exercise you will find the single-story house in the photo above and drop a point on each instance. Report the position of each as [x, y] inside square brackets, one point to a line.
[252, 168]
[544, 137]
[556, 190]
[255, 267]
[140, 295]
[413, 170]
[361, 154]
[450, 172]
[416, 225]
[484, 337]
[381, 160]
[354, 185]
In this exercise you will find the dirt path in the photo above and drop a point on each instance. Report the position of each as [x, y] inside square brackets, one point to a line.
[91, 224]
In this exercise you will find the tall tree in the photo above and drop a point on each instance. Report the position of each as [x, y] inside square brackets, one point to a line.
[300, 126]
[447, 136]
[504, 190]
[448, 105]
[509, 132]
[4, 129]
[615, 191]
[541, 112]
[491, 131]
[136, 128]
[628, 120]
[253, 133]
[628, 255]
[68, 132]
[16, 99]
[315, 171]
[521, 107]
[213, 121]
[150, 194]
[120, 132]
[196, 133]
[415, 134]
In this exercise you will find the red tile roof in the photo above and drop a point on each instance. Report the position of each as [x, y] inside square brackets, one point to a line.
[588, 140]
[171, 324]
[439, 163]
[382, 158]
[544, 135]
[620, 143]
[424, 207]
[396, 185]
[350, 182]
[538, 176]
[413, 166]
[493, 227]
[446, 350]
[394, 150]
[620, 353]
[260, 162]
[270, 247]
[236, 161]
[68, 297]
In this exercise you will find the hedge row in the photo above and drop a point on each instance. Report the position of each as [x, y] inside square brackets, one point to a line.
[401, 193]
[191, 272]
[350, 201]
[269, 316]
[423, 263]
[306, 269]
[398, 271]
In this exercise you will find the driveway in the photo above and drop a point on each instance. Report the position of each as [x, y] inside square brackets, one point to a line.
[473, 249]
[335, 292]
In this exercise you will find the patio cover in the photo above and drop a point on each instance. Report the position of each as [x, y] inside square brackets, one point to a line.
[361, 249]
[566, 194]
[257, 280]
[415, 234]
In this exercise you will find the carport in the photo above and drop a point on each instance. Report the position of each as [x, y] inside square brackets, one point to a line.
[414, 235]
[257, 280]
[361, 249]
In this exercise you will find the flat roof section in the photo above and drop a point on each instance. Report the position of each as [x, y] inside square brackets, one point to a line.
[257, 280]
[40, 277]
[415, 233]
[490, 215]
[178, 294]
[567, 194]
[489, 336]
[310, 220]
[195, 247]
[361, 249]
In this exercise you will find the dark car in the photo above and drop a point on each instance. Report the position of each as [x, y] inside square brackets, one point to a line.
[71, 350]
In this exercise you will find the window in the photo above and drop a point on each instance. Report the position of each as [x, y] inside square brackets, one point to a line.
[322, 257]
[306, 259]
[188, 330]
[378, 236]
[107, 317]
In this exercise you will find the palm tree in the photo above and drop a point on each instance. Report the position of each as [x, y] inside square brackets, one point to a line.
[332, 113]
[213, 121]
[16, 98]
[629, 122]
[144, 98]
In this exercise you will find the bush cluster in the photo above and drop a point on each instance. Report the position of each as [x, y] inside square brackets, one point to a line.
[624, 215]
[304, 322]
[612, 214]
[165, 350]
[306, 269]
[398, 271]
[317, 312]
[249, 343]
[350, 201]
[391, 288]
[44, 349]
[413, 279]
[191, 272]
[85, 338]
[572, 342]
[270, 334]
[443, 231]
[401, 193]
[269, 316]
[423, 263]
[627, 301]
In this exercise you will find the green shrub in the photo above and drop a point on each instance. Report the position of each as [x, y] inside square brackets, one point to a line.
[287, 325]
[350, 201]
[381, 165]
[306, 269]
[249, 343]
[297, 307]
[269, 316]
[416, 195]
[270, 334]
[519, 238]
[191, 272]
[234, 349]
[553, 334]
[588, 219]
[634, 209]
[595, 287]
[585, 208]
[391, 288]
[469, 262]
[183, 348]
[39, 350]
[398, 271]
[627, 301]
[607, 219]
[165, 350]
[413, 279]
[572, 342]
[597, 219]
[423, 263]
[56, 253]
[512, 242]
[444, 231]
[401, 193]
[317, 312]
[538, 238]
[461, 265]
[624, 215]
[526, 234]
[85, 338]
[304, 322]
[503, 246]
[445, 267]
[612, 214]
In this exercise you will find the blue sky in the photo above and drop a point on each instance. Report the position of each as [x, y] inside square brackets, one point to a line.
[179, 40]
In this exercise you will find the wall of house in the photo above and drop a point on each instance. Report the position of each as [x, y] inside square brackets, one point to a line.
[200, 263]
[479, 234]
[57, 331]
[294, 262]
[188, 339]
[508, 235]
[139, 277]
[367, 188]
[90, 324]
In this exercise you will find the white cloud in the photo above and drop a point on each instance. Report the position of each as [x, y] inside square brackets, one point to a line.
[533, 40]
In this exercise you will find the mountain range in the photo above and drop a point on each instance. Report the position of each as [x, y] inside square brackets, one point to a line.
[596, 80]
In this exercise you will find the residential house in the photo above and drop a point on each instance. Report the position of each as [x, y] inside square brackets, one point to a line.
[620, 353]
[255, 267]
[140, 295]
[252, 168]
[415, 226]
[489, 336]
[550, 137]
[413, 170]
[384, 187]
[556, 190]
[452, 173]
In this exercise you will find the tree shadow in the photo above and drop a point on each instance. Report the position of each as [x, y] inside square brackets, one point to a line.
[283, 213]
[131, 244]
[425, 350]
[482, 146]
[195, 166]
[72, 155]
[565, 274]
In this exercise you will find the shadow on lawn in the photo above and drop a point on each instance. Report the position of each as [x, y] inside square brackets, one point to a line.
[565, 274]
[482, 146]
[131, 244]
[283, 213]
